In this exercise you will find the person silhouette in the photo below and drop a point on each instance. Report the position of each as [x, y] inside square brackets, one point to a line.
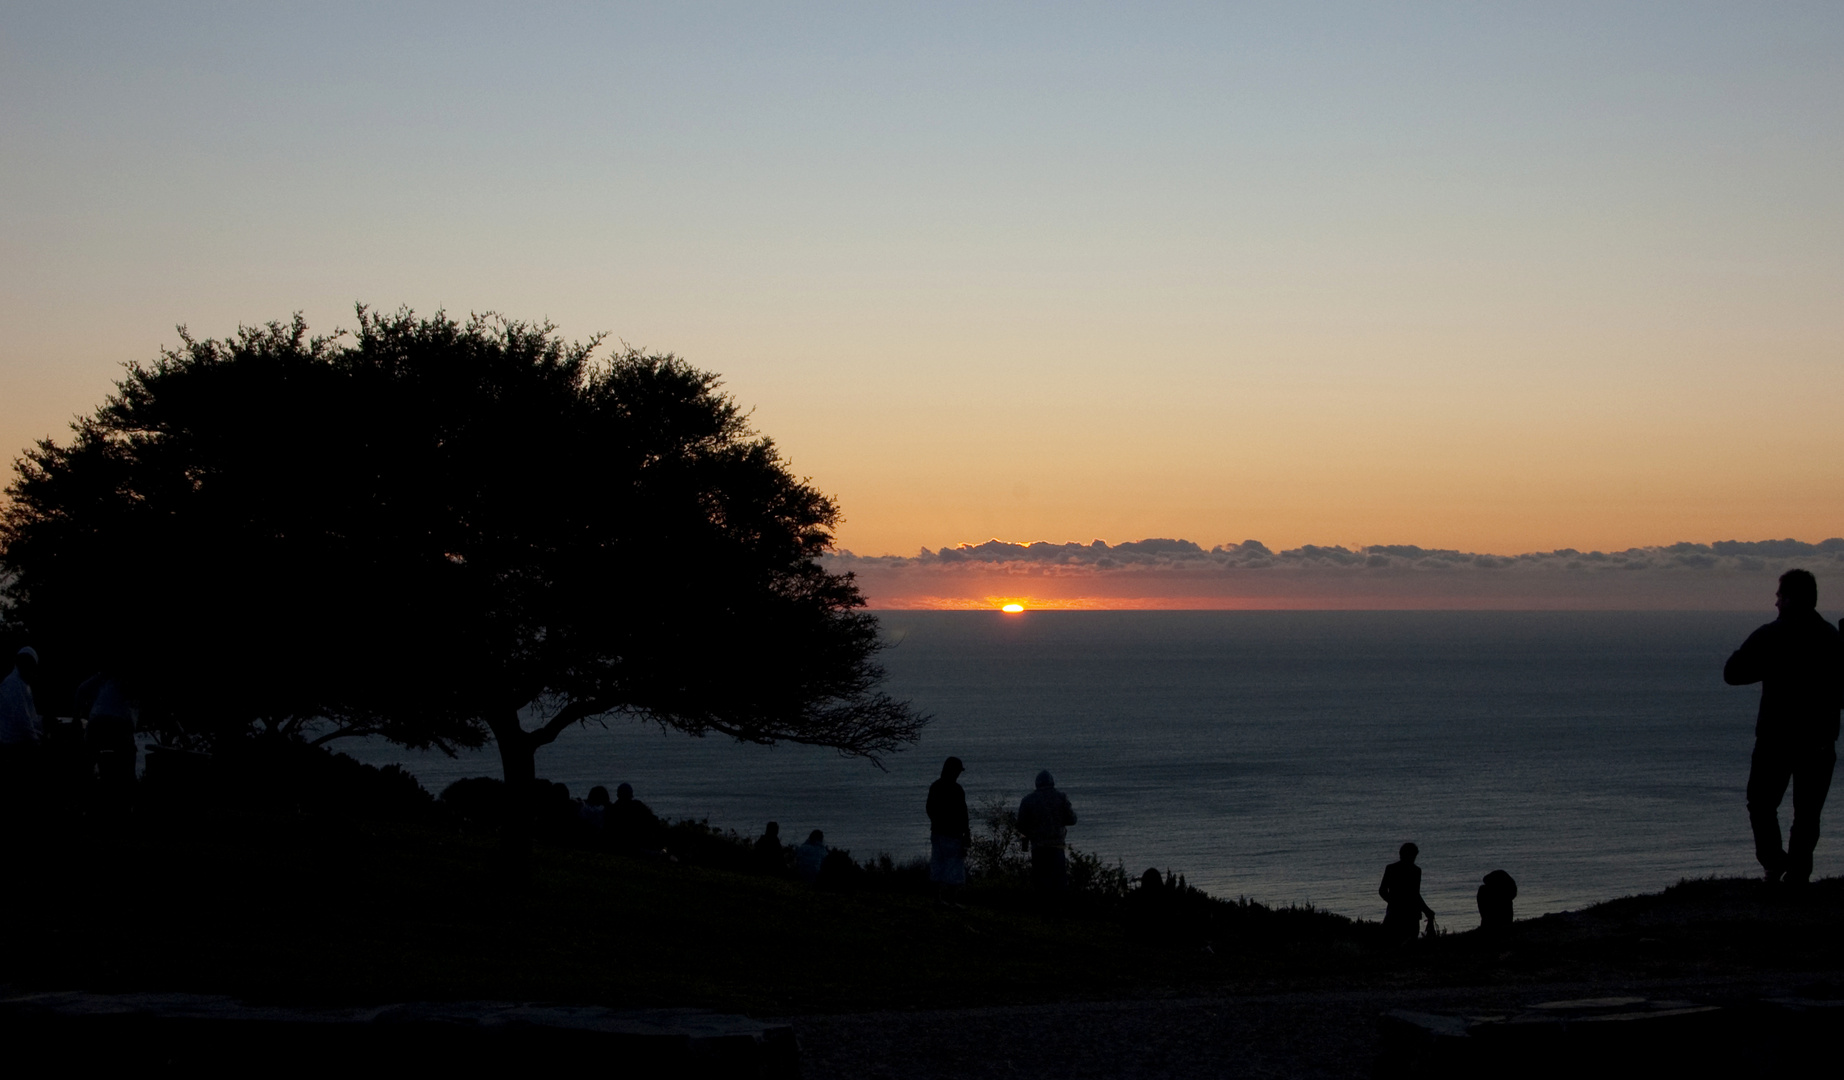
[1797, 659]
[107, 706]
[630, 825]
[768, 856]
[1044, 817]
[810, 856]
[1401, 891]
[1495, 895]
[22, 731]
[594, 812]
[949, 831]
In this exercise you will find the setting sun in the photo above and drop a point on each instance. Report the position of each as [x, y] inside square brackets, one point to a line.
[1012, 609]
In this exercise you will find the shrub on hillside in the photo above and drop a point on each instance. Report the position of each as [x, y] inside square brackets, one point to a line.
[269, 777]
[997, 858]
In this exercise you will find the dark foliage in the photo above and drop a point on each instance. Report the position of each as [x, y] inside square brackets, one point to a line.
[428, 528]
[699, 843]
[271, 778]
[997, 859]
[476, 803]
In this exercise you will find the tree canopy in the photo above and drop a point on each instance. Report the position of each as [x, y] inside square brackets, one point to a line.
[424, 528]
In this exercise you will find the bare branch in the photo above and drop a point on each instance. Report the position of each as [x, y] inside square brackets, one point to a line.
[574, 712]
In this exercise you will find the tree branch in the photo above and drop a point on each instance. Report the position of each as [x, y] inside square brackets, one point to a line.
[341, 733]
[867, 728]
[573, 713]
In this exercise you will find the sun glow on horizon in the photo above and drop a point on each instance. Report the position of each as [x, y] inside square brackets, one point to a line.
[1012, 609]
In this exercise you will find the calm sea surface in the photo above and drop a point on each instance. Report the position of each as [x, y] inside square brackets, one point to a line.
[1278, 755]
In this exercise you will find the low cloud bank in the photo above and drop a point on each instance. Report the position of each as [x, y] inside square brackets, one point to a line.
[1162, 573]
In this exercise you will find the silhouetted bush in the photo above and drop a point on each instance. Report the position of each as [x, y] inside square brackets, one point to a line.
[997, 859]
[268, 777]
[477, 803]
[700, 843]
[839, 872]
[885, 875]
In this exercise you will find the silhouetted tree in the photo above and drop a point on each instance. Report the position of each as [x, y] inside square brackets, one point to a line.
[426, 529]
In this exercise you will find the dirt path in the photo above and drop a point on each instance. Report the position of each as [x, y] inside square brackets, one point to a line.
[1319, 1033]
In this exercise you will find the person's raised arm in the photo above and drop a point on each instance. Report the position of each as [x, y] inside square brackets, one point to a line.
[1748, 663]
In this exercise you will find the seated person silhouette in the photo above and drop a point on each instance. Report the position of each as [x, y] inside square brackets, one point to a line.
[629, 824]
[810, 857]
[557, 812]
[768, 856]
[1401, 891]
[594, 811]
[1149, 907]
[1495, 896]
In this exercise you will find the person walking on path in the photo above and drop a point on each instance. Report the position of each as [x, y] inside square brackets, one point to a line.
[1044, 817]
[1401, 890]
[949, 831]
[1799, 661]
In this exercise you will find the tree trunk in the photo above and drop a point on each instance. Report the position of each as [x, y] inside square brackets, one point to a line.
[518, 753]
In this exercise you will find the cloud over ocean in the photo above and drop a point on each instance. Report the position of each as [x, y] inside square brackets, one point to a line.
[1163, 573]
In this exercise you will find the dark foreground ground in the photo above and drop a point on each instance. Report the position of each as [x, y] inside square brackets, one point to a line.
[878, 984]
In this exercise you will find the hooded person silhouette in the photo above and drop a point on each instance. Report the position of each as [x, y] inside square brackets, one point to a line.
[1495, 895]
[1044, 817]
[949, 831]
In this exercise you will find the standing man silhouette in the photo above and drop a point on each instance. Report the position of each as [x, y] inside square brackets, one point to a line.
[1797, 659]
[1401, 891]
[1044, 817]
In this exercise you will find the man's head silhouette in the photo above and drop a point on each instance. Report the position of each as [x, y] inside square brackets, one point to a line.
[1798, 592]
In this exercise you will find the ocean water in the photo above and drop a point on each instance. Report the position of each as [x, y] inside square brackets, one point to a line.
[1282, 756]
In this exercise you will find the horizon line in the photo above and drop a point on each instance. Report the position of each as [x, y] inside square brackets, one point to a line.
[1771, 547]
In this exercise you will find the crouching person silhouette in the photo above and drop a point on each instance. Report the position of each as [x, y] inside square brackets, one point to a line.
[1495, 895]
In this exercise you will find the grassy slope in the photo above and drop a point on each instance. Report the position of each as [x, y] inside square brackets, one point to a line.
[378, 914]
[407, 913]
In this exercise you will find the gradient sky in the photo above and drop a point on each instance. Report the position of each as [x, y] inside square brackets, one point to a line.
[1496, 278]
